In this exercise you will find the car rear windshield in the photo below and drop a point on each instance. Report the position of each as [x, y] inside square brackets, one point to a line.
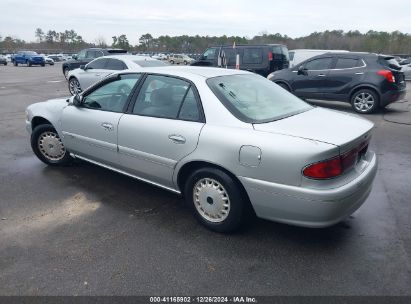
[255, 99]
[390, 62]
[149, 63]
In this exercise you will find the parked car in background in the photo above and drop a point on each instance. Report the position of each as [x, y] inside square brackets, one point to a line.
[260, 59]
[368, 81]
[406, 69]
[85, 76]
[85, 56]
[230, 141]
[300, 55]
[48, 60]
[3, 60]
[159, 56]
[180, 59]
[405, 61]
[28, 57]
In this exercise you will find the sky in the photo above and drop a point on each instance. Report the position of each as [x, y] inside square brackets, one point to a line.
[93, 19]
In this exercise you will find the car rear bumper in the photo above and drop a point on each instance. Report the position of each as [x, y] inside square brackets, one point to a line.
[392, 96]
[310, 207]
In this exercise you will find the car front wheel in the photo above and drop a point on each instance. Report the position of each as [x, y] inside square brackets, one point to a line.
[74, 86]
[65, 72]
[365, 101]
[216, 199]
[48, 147]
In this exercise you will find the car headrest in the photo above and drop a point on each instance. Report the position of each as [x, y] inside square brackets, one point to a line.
[161, 97]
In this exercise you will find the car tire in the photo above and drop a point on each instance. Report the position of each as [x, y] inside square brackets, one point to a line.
[65, 72]
[365, 101]
[172, 61]
[43, 64]
[48, 147]
[28, 63]
[185, 62]
[284, 86]
[216, 199]
[74, 86]
[15, 63]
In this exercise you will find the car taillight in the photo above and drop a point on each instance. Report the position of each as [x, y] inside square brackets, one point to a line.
[387, 75]
[336, 166]
[326, 169]
[270, 56]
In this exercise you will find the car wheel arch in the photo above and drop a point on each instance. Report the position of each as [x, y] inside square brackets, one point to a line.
[188, 168]
[38, 120]
[285, 83]
[364, 87]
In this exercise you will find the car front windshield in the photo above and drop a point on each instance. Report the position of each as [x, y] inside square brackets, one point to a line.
[149, 63]
[255, 99]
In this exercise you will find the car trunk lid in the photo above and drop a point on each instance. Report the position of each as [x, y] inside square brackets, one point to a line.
[340, 129]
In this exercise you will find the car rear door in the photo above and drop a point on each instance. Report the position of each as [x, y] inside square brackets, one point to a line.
[90, 129]
[160, 128]
[311, 77]
[344, 75]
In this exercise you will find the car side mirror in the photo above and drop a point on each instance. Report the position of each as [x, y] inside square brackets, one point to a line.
[302, 70]
[74, 57]
[83, 67]
[77, 100]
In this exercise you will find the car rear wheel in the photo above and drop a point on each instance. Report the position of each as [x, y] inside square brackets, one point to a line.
[48, 147]
[74, 86]
[217, 200]
[172, 61]
[365, 101]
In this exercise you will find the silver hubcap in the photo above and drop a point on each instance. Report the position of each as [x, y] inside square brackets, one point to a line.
[211, 200]
[364, 102]
[50, 145]
[74, 86]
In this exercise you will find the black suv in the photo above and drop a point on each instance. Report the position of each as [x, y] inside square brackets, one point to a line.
[86, 55]
[368, 81]
[260, 59]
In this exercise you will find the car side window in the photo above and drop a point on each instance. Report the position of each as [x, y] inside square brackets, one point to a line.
[81, 55]
[167, 97]
[112, 96]
[115, 64]
[209, 54]
[253, 55]
[346, 63]
[319, 64]
[97, 64]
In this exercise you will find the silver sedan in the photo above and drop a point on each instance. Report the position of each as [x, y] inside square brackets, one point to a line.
[83, 77]
[232, 143]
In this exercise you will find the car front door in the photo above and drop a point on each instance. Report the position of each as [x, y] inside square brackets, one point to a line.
[90, 129]
[162, 126]
[311, 77]
[92, 73]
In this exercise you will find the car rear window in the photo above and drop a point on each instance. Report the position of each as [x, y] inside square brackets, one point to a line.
[149, 63]
[390, 62]
[255, 99]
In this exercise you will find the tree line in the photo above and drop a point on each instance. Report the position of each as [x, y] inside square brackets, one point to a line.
[69, 41]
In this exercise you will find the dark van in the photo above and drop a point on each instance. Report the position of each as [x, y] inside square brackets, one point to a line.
[260, 59]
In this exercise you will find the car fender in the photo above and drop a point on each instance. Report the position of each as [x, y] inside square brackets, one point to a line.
[50, 110]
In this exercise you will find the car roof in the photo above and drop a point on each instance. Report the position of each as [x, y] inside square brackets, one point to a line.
[186, 71]
[129, 57]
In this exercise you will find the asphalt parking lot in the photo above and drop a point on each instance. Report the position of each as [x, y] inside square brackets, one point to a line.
[84, 230]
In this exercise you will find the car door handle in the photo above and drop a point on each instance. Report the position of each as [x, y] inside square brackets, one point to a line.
[107, 126]
[321, 75]
[177, 139]
[359, 73]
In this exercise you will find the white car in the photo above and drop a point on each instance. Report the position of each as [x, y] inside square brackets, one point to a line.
[160, 56]
[83, 77]
[297, 56]
[407, 71]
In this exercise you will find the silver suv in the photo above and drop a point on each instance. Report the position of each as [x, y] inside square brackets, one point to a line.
[180, 59]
